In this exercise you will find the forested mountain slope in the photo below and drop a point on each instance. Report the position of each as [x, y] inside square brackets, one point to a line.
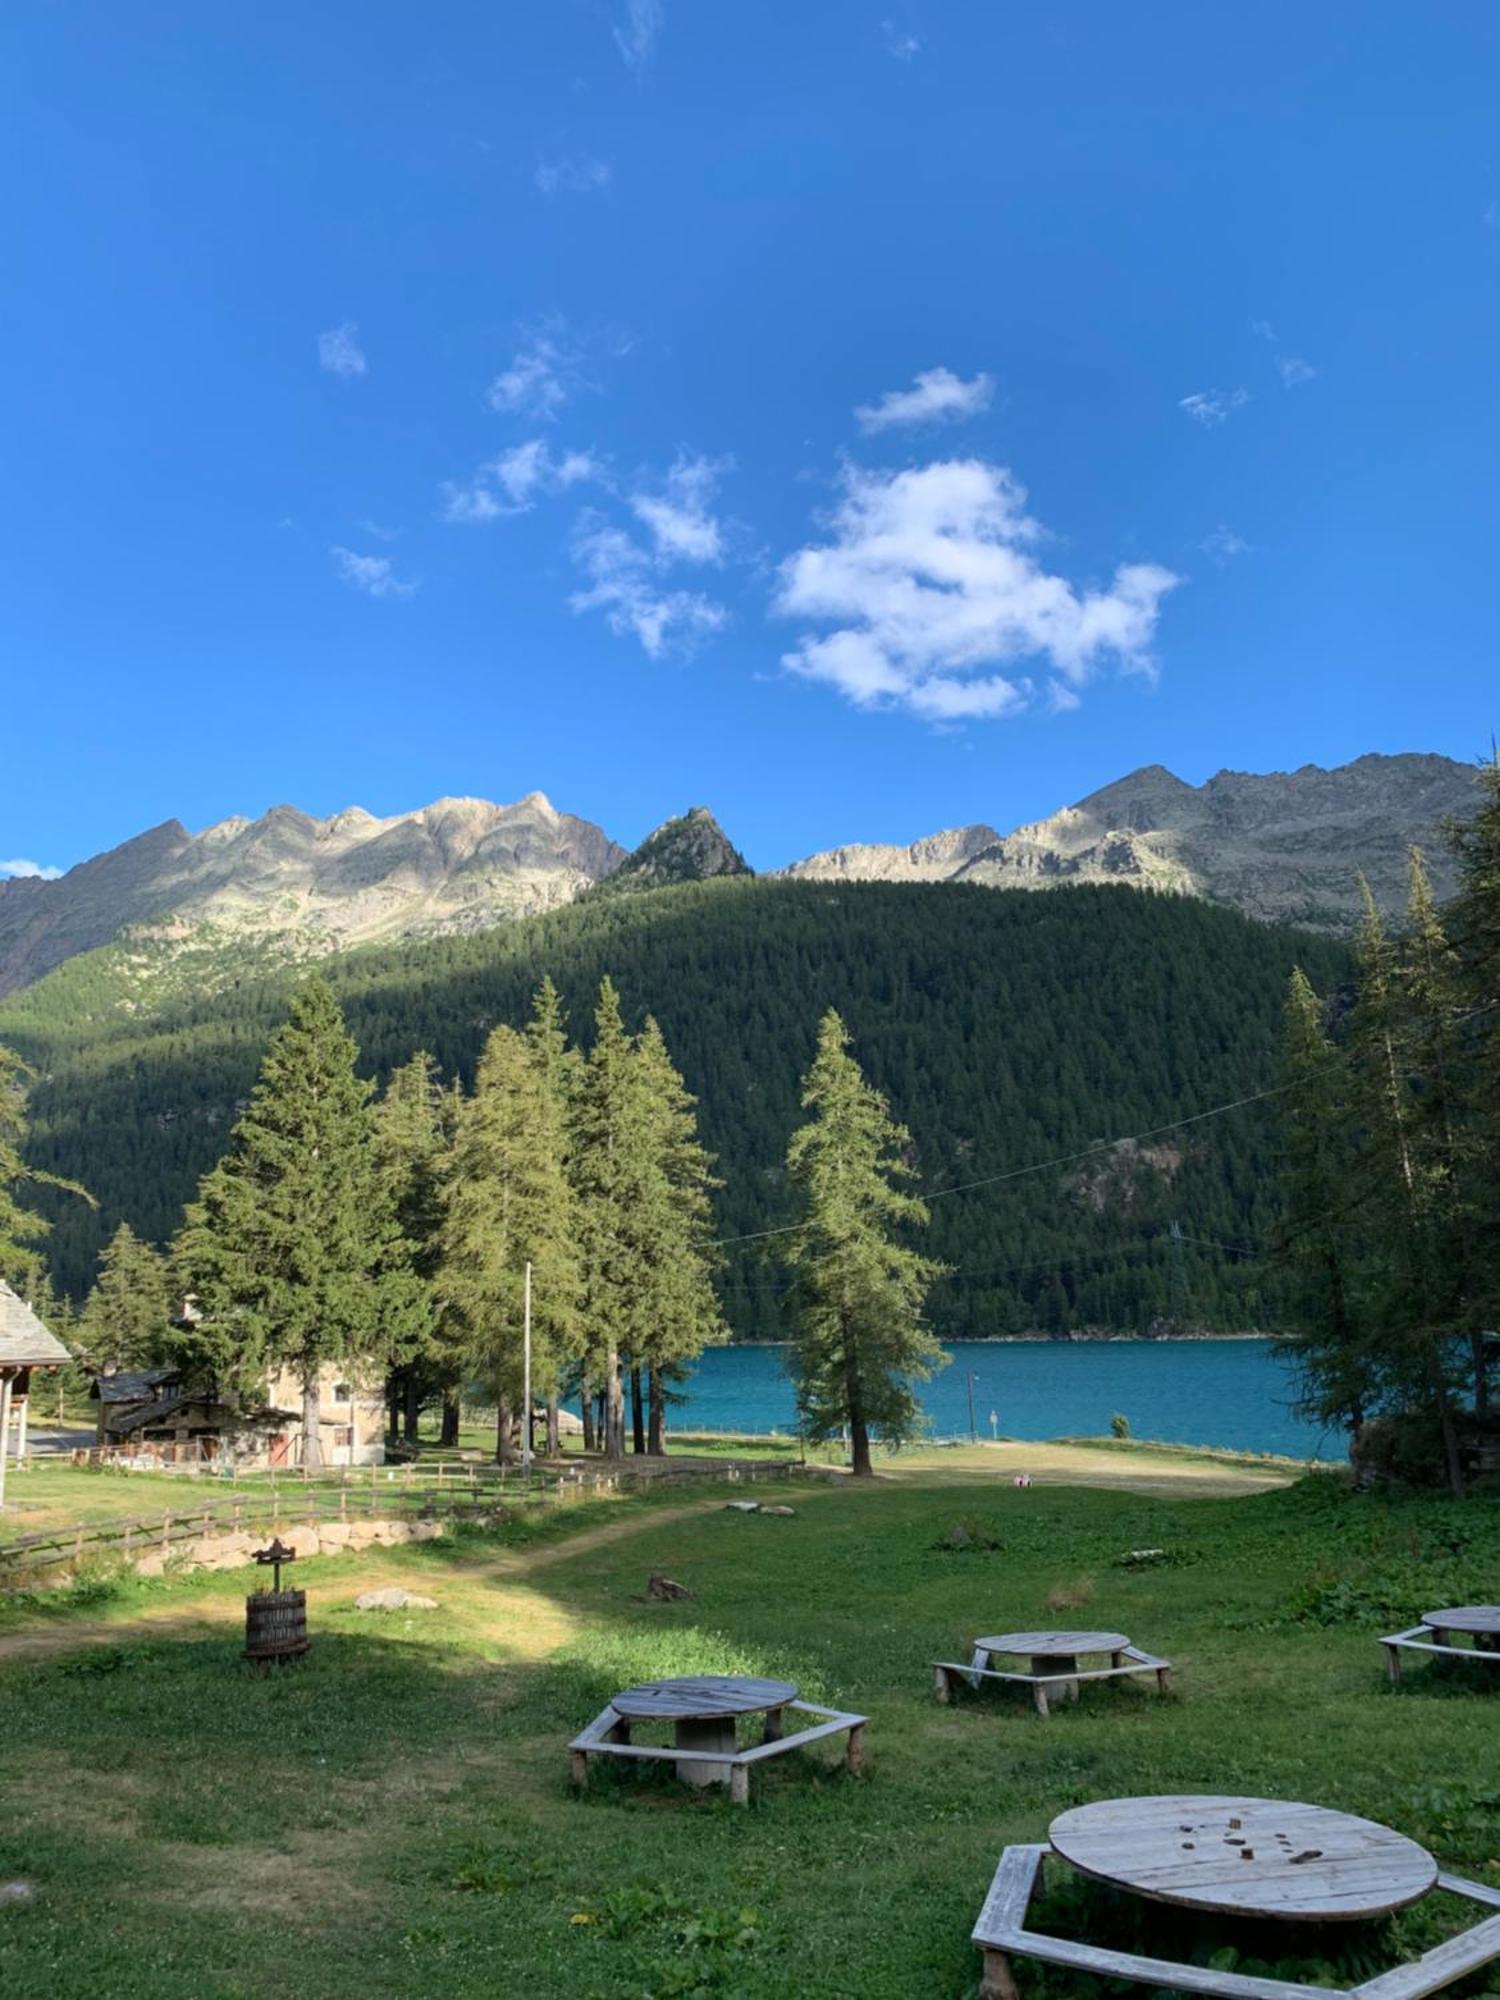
[1006, 1028]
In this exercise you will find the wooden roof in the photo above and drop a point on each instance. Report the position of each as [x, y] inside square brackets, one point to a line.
[24, 1341]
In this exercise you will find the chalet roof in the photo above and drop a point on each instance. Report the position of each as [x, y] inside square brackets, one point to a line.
[132, 1385]
[226, 1416]
[24, 1341]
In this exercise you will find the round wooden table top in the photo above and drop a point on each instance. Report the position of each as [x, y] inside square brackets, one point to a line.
[1055, 1645]
[1248, 1857]
[1465, 1618]
[702, 1697]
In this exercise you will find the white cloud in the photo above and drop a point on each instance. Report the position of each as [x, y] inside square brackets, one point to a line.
[380, 533]
[1222, 545]
[371, 574]
[929, 579]
[573, 176]
[636, 28]
[512, 483]
[682, 527]
[542, 376]
[1294, 370]
[938, 396]
[900, 42]
[34, 869]
[1211, 407]
[626, 583]
[339, 351]
[1264, 329]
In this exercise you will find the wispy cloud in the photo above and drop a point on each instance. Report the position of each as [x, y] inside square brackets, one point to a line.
[1212, 407]
[626, 583]
[377, 531]
[899, 41]
[573, 176]
[1222, 545]
[937, 396]
[339, 351]
[36, 870]
[371, 574]
[678, 515]
[930, 583]
[544, 372]
[637, 26]
[1292, 369]
[513, 482]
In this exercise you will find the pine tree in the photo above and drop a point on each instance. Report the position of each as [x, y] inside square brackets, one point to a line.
[861, 1335]
[1417, 1306]
[1320, 1238]
[507, 1203]
[1474, 926]
[127, 1321]
[412, 1128]
[292, 1250]
[674, 1228]
[611, 1174]
[22, 1230]
[559, 1068]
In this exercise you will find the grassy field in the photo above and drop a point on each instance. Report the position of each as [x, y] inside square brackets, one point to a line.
[393, 1816]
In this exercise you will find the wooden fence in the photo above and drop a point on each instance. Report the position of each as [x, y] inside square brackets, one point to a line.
[407, 1492]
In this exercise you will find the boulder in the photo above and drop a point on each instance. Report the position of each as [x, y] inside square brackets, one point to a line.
[742, 1506]
[787, 1511]
[392, 1599]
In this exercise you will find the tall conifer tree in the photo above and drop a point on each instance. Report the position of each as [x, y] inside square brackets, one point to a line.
[861, 1333]
[127, 1320]
[412, 1128]
[507, 1202]
[292, 1249]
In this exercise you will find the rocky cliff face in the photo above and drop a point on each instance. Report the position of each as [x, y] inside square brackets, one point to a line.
[691, 848]
[311, 885]
[1287, 847]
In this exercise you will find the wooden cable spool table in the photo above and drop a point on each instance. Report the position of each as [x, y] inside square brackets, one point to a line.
[1438, 1633]
[1052, 1671]
[703, 1710]
[1272, 1859]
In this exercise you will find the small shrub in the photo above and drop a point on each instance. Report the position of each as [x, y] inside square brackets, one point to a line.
[967, 1536]
[1070, 1596]
[1119, 1426]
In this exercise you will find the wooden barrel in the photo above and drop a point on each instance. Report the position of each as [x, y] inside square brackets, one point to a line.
[275, 1625]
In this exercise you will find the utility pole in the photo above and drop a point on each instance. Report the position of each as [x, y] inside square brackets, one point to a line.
[526, 1380]
[973, 1427]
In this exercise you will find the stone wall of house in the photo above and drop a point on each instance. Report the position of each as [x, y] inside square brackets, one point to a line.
[232, 1549]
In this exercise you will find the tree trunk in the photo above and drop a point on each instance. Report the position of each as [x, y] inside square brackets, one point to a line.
[854, 1404]
[412, 1400]
[1481, 1362]
[657, 1446]
[312, 1410]
[859, 1447]
[586, 1404]
[450, 1417]
[554, 1429]
[1452, 1457]
[637, 1415]
[504, 1427]
[614, 1408]
[393, 1402]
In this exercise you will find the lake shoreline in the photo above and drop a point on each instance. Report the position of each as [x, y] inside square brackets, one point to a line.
[1059, 1339]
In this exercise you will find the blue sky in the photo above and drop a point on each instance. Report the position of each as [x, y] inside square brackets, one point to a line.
[858, 418]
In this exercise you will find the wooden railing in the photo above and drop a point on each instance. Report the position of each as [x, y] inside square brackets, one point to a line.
[393, 1493]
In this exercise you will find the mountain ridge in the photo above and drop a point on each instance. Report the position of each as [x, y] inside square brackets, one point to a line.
[1280, 846]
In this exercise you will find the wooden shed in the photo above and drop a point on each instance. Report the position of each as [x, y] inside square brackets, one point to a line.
[25, 1345]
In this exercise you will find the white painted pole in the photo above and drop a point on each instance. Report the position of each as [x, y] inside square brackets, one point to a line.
[526, 1382]
[4, 1428]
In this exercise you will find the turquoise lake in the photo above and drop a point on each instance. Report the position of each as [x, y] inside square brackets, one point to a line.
[1234, 1393]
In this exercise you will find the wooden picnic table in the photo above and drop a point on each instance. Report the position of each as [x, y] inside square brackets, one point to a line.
[703, 1710]
[1238, 1857]
[1246, 1857]
[1480, 1621]
[1052, 1671]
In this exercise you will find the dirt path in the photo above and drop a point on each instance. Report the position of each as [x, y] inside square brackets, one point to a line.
[208, 1618]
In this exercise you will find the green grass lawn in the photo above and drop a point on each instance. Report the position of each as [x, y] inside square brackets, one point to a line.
[393, 1817]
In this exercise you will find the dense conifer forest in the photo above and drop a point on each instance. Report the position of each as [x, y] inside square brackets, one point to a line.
[1005, 1028]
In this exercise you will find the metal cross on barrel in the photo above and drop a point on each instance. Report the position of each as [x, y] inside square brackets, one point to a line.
[275, 1619]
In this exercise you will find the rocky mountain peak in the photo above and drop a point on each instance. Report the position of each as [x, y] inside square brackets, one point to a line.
[690, 848]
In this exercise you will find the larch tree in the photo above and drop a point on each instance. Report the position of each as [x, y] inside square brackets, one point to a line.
[127, 1319]
[292, 1249]
[859, 1294]
[1474, 927]
[507, 1203]
[22, 1230]
[1319, 1239]
[559, 1069]
[680, 1308]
